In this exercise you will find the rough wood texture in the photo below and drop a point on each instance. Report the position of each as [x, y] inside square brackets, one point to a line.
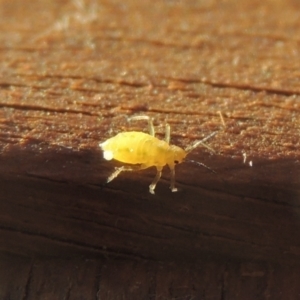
[118, 279]
[72, 72]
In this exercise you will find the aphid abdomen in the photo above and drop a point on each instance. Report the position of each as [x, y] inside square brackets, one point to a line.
[135, 148]
[154, 152]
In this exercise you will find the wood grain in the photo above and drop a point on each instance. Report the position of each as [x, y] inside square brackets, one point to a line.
[71, 74]
[125, 279]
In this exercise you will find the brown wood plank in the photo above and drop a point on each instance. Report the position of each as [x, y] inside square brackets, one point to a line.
[87, 279]
[72, 72]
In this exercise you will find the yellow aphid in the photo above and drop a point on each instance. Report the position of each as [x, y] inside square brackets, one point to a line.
[143, 150]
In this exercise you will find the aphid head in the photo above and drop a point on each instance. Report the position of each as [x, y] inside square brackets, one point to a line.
[178, 154]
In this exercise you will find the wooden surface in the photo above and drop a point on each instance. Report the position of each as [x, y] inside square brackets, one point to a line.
[71, 74]
[124, 279]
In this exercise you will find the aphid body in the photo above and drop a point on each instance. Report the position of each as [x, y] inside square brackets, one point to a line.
[142, 150]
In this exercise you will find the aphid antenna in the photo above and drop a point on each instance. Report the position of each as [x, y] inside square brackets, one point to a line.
[200, 164]
[201, 142]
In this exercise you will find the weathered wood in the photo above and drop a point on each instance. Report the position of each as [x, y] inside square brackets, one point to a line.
[71, 73]
[124, 279]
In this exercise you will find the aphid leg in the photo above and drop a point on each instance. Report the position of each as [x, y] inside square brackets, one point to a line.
[155, 180]
[151, 127]
[115, 174]
[167, 134]
[172, 187]
[150, 123]
[121, 169]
